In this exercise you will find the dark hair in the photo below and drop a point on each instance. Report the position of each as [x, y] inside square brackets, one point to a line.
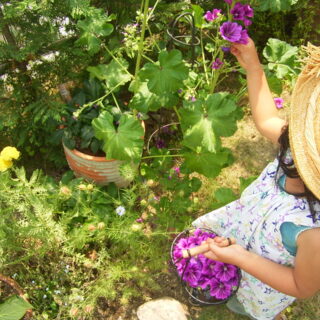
[290, 170]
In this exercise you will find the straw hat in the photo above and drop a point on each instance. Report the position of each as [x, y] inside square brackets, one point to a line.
[304, 121]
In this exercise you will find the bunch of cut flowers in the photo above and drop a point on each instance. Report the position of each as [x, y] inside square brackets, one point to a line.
[219, 279]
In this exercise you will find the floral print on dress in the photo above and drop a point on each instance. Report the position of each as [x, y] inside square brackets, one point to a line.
[255, 220]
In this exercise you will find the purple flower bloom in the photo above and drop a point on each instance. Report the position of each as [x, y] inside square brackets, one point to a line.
[217, 64]
[278, 102]
[212, 15]
[242, 12]
[228, 1]
[233, 281]
[238, 11]
[225, 49]
[160, 144]
[193, 272]
[139, 220]
[248, 11]
[244, 39]
[176, 170]
[231, 31]
[224, 272]
[219, 289]
[247, 22]
[193, 99]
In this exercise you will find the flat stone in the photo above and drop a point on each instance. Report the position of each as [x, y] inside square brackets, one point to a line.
[162, 309]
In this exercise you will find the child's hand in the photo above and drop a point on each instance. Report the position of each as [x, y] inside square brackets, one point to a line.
[232, 254]
[246, 55]
[224, 242]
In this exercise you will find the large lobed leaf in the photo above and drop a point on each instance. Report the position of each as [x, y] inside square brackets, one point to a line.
[207, 163]
[144, 100]
[113, 73]
[203, 122]
[281, 57]
[275, 5]
[165, 76]
[124, 142]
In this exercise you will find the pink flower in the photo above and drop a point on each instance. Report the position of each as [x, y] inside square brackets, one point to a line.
[278, 102]
[228, 1]
[217, 64]
[212, 15]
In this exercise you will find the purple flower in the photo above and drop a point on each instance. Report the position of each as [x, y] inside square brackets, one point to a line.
[278, 102]
[238, 11]
[212, 15]
[176, 170]
[217, 64]
[224, 272]
[160, 144]
[244, 39]
[231, 31]
[248, 11]
[242, 12]
[219, 289]
[228, 1]
[193, 99]
[225, 49]
[192, 273]
[139, 220]
[233, 281]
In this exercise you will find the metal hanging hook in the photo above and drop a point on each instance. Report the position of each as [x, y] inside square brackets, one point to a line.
[194, 40]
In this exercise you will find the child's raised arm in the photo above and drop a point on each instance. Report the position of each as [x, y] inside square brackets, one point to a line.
[264, 112]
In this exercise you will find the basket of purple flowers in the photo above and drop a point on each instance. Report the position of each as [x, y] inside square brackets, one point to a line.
[207, 282]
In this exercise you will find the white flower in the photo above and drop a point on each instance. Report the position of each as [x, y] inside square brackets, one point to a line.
[120, 211]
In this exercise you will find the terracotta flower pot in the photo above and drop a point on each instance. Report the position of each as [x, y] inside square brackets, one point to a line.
[96, 169]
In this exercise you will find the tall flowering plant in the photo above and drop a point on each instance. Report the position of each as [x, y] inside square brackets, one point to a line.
[161, 79]
[219, 280]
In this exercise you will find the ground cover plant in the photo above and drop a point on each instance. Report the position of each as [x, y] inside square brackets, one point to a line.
[82, 251]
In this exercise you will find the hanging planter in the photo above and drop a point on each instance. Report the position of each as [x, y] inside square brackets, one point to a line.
[96, 169]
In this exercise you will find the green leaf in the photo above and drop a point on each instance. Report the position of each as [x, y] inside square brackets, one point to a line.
[207, 163]
[198, 14]
[144, 100]
[113, 73]
[224, 195]
[14, 308]
[275, 85]
[281, 57]
[245, 182]
[166, 75]
[202, 122]
[124, 142]
[275, 5]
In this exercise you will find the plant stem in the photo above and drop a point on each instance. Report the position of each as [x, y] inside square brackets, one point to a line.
[143, 30]
[115, 101]
[203, 58]
[177, 112]
[117, 60]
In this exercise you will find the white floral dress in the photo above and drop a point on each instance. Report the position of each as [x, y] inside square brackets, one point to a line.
[255, 220]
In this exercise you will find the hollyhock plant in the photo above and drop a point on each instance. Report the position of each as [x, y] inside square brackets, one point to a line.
[216, 278]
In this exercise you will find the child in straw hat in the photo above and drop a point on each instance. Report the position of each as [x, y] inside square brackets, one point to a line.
[275, 225]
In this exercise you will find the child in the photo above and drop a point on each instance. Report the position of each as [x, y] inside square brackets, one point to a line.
[276, 221]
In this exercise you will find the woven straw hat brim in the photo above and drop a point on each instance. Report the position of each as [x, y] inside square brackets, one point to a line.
[304, 122]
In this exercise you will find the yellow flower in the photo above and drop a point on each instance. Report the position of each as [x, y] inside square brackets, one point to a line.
[9, 153]
[5, 164]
